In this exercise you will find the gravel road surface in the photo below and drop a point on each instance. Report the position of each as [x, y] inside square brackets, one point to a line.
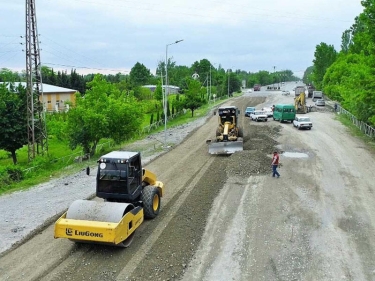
[222, 217]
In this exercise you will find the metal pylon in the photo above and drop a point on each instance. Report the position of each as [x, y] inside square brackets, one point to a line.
[36, 125]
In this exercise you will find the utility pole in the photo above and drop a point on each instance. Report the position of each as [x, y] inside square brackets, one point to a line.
[36, 125]
[167, 90]
[210, 82]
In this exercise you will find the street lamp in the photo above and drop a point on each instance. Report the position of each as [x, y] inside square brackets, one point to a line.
[166, 89]
[210, 94]
[209, 97]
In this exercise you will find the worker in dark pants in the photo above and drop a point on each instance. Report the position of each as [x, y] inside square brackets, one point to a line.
[275, 164]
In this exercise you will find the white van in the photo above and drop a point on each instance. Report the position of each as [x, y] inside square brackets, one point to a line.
[317, 95]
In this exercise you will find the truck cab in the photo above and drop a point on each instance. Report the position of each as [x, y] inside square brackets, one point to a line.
[317, 95]
[257, 87]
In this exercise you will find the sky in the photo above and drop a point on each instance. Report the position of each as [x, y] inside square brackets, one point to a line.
[111, 36]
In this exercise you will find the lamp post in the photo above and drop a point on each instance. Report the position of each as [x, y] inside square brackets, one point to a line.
[210, 94]
[210, 84]
[166, 90]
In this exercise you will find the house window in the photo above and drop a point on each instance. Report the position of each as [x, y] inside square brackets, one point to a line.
[49, 101]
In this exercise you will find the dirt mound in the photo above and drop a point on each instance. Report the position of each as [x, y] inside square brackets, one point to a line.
[259, 143]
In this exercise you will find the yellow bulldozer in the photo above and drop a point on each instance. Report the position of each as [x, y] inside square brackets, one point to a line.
[229, 136]
[130, 194]
[300, 103]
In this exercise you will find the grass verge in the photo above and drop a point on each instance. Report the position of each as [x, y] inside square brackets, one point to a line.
[60, 161]
[356, 132]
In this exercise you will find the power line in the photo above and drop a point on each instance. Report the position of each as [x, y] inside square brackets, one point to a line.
[9, 43]
[9, 36]
[64, 56]
[8, 58]
[72, 51]
[85, 67]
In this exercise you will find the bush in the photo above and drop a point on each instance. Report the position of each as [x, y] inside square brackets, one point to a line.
[15, 174]
[9, 175]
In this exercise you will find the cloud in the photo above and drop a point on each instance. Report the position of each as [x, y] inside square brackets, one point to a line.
[115, 34]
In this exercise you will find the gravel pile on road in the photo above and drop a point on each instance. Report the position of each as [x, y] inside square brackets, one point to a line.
[259, 143]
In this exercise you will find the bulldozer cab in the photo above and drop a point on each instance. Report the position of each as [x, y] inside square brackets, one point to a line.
[119, 176]
[228, 114]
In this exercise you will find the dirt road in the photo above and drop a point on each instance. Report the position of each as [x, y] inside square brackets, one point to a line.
[226, 218]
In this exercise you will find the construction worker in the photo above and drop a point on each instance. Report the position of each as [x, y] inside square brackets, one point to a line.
[275, 164]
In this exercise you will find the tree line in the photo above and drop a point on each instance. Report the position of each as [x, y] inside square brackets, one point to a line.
[103, 102]
[348, 75]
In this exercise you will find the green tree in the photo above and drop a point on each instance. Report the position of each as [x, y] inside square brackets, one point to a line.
[193, 95]
[324, 55]
[158, 94]
[351, 81]
[142, 93]
[103, 112]
[6, 75]
[13, 119]
[307, 75]
[346, 41]
[139, 75]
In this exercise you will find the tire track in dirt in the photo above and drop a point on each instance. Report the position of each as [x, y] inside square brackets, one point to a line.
[164, 245]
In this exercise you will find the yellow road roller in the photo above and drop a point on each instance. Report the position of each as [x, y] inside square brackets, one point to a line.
[130, 194]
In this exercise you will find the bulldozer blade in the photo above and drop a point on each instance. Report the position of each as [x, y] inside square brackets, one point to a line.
[229, 147]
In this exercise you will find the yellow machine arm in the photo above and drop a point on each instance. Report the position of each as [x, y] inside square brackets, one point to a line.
[300, 103]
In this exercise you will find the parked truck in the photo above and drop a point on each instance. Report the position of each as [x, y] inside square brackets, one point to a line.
[310, 90]
[298, 90]
[317, 95]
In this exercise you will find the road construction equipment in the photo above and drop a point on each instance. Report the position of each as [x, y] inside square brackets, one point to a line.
[310, 90]
[300, 103]
[317, 95]
[229, 136]
[298, 90]
[130, 194]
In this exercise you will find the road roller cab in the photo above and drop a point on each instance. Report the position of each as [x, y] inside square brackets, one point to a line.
[130, 194]
[119, 176]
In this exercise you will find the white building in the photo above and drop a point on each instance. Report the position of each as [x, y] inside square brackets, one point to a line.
[171, 89]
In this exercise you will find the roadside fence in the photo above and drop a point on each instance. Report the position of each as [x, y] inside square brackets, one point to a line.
[153, 126]
[365, 128]
[76, 157]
